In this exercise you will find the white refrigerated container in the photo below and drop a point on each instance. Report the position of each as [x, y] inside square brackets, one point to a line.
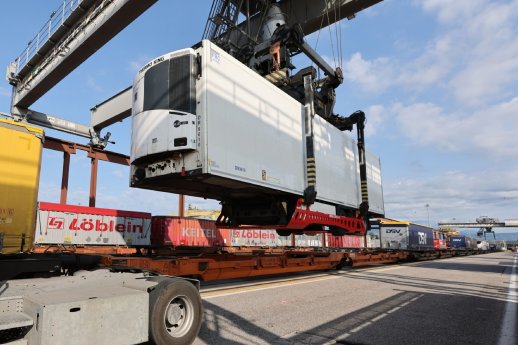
[204, 124]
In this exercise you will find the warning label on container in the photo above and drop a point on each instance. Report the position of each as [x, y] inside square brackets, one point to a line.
[5, 220]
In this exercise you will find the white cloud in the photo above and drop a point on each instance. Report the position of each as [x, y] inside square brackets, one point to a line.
[373, 76]
[451, 11]
[121, 173]
[474, 56]
[458, 194]
[491, 130]
[375, 117]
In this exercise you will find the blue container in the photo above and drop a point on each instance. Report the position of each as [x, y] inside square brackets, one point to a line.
[458, 242]
[420, 237]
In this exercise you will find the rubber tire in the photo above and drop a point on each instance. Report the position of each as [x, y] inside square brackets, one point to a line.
[159, 300]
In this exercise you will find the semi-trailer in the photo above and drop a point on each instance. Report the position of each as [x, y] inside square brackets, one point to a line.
[204, 124]
[21, 148]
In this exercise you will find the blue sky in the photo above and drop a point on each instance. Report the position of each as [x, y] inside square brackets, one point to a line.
[438, 80]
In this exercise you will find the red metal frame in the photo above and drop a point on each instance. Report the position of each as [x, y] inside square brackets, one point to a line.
[305, 219]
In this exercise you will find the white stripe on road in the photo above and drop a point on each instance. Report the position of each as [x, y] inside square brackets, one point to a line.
[508, 331]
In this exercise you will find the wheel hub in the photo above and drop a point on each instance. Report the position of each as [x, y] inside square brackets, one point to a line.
[175, 312]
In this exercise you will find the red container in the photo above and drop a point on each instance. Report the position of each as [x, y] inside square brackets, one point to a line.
[176, 231]
[347, 241]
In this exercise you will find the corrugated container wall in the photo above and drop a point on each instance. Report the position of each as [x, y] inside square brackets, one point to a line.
[176, 231]
[255, 237]
[20, 161]
[420, 237]
[80, 225]
[463, 242]
[407, 236]
[348, 241]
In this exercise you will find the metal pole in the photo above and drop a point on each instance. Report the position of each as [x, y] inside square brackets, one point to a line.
[428, 212]
[64, 178]
[93, 182]
[181, 205]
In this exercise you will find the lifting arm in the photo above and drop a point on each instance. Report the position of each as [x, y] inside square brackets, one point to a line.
[346, 123]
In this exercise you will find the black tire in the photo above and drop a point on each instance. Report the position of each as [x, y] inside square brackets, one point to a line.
[284, 233]
[175, 313]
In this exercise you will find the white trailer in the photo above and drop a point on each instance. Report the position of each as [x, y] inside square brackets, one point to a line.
[206, 125]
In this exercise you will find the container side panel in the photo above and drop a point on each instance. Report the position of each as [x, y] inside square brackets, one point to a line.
[20, 161]
[347, 241]
[176, 231]
[336, 165]
[92, 227]
[394, 237]
[420, 238]
[458, 242]
[374, 184]
[254, 128]
[255, 237]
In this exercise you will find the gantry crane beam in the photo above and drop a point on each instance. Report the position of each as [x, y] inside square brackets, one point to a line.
[311, 15]
[508, 223]
[68, 46]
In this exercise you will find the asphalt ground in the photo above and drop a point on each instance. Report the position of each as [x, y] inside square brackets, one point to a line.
[462, 300]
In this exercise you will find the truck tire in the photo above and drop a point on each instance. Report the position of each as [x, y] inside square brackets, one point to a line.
[175, 313]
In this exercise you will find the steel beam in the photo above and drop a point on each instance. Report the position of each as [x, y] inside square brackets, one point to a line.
[70, 147]
[114, 109]
[53, 122]
[311, 15]
[314, 15]
[64, 178]
[181, 205]
[93, 181]
[473, 225]
[97, 27]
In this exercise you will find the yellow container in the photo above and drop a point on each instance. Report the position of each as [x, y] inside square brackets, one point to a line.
[20, 161]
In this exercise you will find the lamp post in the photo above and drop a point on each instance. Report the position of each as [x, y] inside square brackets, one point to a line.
[428, 212]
